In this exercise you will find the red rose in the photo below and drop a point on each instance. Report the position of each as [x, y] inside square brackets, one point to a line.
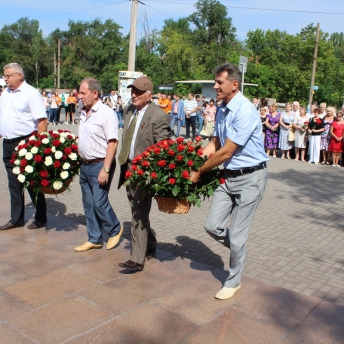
[44, 174]
[138, 158]
[145, 154]
[222, 180]
[198, 138]
[200, 152]
[64, 157]
[32, 142]
[22, 170]
[12, 161]
[140, 172]
[172, 166]
[185, 174]
[37, 158]
[172, 181]
[67, 150]
[162, 163]
[47, 151]
[190, 163]
[14, 156]
[23, 163]
[25, 145]
[43, 136]
[318, 121]
[128, 174]
[191, 149]
[179, 157]
[180, 148]
[57, 164]
[50, 132]
[170, 152]
[149, 149]
[154, 175]
[145, 164]
[134, 168]
[180, 140]
[55, 136]
[70, 137]
[170, 142]
[56, 143]
[44, 182]
[156, 150]
[32, 183]
[37, 143]
[19, 147]
[60, 131]
[74, 147]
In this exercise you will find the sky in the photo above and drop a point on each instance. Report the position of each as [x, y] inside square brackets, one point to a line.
[247, 15]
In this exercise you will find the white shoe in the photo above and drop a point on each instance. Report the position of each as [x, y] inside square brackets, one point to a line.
[226, 293]
[316, 163]
[309, 162]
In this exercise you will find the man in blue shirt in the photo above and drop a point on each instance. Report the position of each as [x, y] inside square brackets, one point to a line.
[237, 144]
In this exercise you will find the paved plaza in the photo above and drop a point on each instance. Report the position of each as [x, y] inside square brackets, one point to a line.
[292, 292]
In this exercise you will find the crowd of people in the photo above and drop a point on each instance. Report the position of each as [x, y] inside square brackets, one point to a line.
[316, 133]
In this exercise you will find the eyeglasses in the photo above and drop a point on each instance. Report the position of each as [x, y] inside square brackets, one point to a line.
[8, 76]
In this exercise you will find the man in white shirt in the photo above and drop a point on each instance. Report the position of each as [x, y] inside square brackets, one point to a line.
[113, 99]
[98, 139]
[22, 112]
[322, 108]
[190, 115]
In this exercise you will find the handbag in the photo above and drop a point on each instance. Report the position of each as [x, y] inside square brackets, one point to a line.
[291, 136]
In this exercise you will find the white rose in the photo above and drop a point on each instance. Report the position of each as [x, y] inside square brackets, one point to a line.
[33, 137]
[48, 161]
[53, 149]
[28, 156]
[21, 142]
[64, 174]
[55, 132]
[29, 169]
[34, 150]
[58, 155]
[16, 149]
[73, 156]
[66, 165]
[63, 134]
[21, 178]
[17, 162]
[45, 141]
[62, 139]
[16, 170]
[57, 185]
[22, 152]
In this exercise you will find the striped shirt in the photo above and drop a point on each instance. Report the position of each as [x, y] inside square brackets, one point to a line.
[190, 105]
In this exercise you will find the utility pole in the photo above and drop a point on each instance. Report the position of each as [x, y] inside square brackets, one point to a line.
[58, 62]
[314, 64]
[54, 69]
[132, 41]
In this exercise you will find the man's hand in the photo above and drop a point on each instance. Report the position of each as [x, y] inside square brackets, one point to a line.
[103, 177]
[195, 176]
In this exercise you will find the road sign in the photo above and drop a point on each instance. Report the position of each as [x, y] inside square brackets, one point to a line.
[315, 88]
[243, 64]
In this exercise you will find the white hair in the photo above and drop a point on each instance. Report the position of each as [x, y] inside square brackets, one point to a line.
[296, 103]
[332, 109]
[16, 67]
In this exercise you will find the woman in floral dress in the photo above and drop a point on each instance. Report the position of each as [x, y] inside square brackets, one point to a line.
[272, 132]
[286, 122]
[325, 136]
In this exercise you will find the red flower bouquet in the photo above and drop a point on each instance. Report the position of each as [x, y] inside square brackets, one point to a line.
[164, 169]
[47, 162]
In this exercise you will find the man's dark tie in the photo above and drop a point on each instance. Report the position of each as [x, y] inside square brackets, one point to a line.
[123, 154]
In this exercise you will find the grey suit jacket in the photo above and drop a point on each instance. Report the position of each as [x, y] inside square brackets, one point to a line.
[154, 127]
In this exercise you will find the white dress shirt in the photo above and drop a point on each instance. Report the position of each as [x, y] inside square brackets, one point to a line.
[96, 130]
[20, 111]
[138, 122]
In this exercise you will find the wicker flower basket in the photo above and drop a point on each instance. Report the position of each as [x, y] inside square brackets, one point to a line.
[172, 205]
[49, 190]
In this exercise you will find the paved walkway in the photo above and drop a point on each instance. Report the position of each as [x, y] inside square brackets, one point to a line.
[50, 294]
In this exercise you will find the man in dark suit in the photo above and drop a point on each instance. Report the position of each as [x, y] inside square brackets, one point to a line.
[144, 125]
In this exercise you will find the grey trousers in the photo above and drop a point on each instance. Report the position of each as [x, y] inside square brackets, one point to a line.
[240, 198]
[142, 236]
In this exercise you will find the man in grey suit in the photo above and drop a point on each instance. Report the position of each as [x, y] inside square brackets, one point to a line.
[144, 125]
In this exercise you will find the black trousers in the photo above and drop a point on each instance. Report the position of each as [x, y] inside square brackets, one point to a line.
[17, 192]
[190, 121]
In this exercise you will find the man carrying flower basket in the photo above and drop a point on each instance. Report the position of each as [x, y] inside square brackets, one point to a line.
[22, 113]
[236, 144]
[98, 138]
[144, 125]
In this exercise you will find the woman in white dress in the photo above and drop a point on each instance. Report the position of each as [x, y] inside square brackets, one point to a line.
[286, 123]
[300, 125]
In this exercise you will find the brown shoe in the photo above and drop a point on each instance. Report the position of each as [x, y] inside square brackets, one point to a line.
[36, 225]
[8, 226]
[131, 265]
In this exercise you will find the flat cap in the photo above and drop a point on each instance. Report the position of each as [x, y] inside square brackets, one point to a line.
[143, 84]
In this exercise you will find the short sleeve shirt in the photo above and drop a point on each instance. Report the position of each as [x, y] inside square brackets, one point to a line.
[239, 122]
[96, 130]
[20, 111]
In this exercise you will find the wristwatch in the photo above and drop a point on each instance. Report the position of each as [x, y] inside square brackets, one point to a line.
[106, 169]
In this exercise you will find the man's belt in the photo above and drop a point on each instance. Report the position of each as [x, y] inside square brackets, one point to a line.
[246, 170]
[17, 139]
[93, 161]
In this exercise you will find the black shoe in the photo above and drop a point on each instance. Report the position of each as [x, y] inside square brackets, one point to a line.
[36, 225]
[8, 226]
[131, 265]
